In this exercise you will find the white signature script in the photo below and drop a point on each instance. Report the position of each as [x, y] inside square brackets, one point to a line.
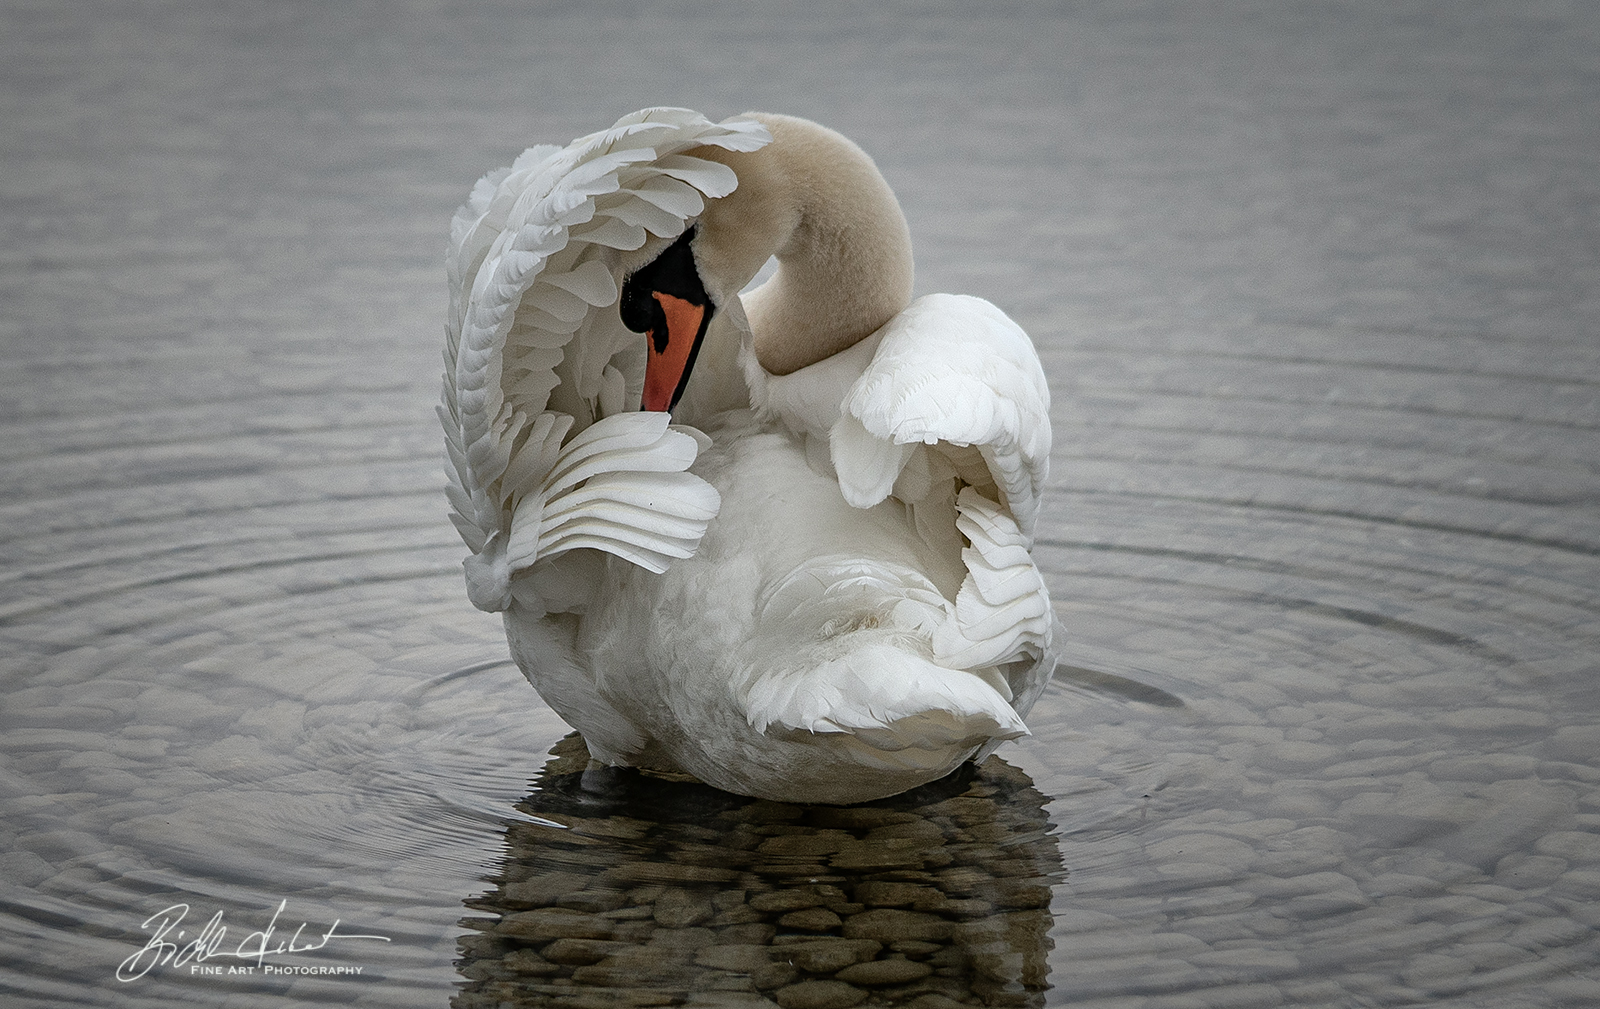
[163, 950]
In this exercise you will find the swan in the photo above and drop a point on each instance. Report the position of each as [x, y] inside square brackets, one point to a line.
[777, 540]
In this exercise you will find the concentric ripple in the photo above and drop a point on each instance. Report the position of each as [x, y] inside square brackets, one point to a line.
[1314, 288]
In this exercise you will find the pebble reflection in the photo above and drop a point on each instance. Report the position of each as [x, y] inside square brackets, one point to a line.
[633, 889]
[1315, 287]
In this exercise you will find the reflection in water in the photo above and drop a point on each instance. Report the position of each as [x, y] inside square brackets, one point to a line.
[1318, 312]
[630, 889]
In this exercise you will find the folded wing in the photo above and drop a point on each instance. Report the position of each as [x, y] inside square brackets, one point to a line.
[954, 404]
[953, 372]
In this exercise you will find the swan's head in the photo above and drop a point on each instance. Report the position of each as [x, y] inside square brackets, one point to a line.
[815, 201]
[667, 301]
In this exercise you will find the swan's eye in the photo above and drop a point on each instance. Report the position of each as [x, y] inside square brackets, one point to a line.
[641, 312]
[673, 273]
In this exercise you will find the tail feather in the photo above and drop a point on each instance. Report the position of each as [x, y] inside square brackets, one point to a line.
[886, 697]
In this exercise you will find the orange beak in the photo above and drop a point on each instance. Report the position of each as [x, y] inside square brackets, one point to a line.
[671, 354]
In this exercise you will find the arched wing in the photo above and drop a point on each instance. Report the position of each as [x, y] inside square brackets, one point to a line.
[544, 454]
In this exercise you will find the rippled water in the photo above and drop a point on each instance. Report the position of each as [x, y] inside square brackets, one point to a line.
[1316, 290]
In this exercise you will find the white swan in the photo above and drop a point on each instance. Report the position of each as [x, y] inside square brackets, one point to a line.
[811, 582]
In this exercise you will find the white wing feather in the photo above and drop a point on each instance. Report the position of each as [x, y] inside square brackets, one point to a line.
[1002, 613]
[949, 369]
[530, 357]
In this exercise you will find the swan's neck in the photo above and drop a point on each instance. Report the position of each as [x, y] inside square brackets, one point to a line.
[817, 202]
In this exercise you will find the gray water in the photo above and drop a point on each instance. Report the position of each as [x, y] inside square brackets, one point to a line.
[1318, 291]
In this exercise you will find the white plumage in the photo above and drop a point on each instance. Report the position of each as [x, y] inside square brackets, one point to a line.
[811, 582]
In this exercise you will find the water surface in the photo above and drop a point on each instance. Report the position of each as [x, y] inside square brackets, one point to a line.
[1315, 290]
